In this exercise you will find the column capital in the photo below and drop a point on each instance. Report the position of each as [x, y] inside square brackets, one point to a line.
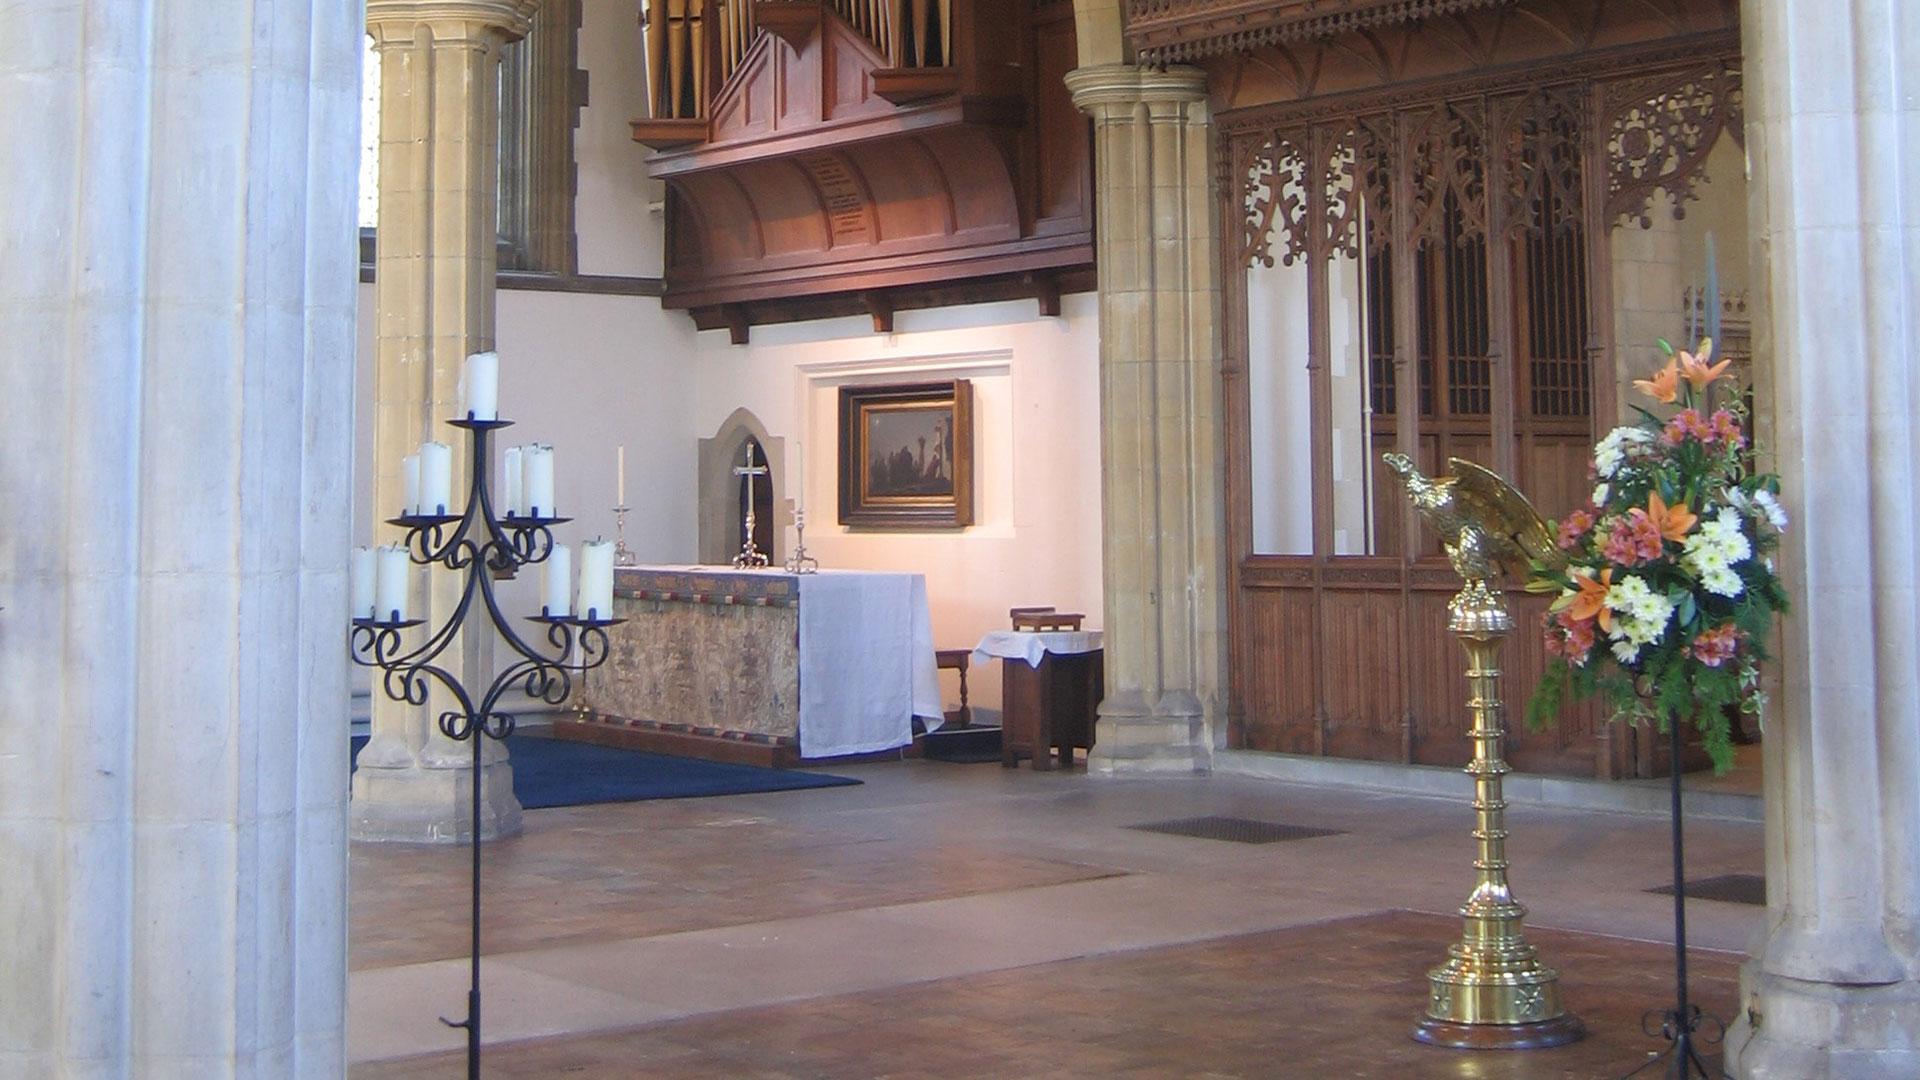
[389, 20]
[1102, 88]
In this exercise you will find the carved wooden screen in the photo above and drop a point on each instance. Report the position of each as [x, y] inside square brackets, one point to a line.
[1461, 238]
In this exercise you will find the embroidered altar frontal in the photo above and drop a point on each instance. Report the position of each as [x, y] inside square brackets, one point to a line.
[821, 665]
[708, 653]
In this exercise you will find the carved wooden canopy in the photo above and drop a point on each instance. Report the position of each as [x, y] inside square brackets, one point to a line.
[815, 165]
[1170, 31]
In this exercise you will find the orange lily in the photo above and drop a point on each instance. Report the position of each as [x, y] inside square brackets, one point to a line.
[1674, 522]
[1591, 602]
[1664, 387]
[1696, 369]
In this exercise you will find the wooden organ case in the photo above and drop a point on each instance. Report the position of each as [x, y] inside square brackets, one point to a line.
[858, 156]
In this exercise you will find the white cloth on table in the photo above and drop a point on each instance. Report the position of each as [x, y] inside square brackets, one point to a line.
[867, 664]
[1033, 645]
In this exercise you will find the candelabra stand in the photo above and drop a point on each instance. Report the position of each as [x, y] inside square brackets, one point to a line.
[798, 561]
[622, 556]
[478, 545]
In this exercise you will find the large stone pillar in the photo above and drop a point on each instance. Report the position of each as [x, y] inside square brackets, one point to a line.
[434, 304]
[1833, 138]
[177, 312]
[1163, 495]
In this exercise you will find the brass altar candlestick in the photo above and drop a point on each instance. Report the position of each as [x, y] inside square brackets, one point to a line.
[1493, 992]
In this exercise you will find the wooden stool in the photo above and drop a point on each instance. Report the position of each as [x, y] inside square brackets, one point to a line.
[956, 660]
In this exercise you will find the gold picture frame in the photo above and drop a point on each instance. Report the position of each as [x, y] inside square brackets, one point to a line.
[906, 455]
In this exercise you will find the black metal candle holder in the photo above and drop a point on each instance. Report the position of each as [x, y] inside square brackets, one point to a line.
[482, 546]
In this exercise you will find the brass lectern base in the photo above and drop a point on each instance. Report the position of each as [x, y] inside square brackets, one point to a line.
[1558, 1031]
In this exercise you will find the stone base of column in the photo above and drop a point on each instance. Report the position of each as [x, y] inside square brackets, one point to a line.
[1135, 739]
[1800, 1030]
[426, 801]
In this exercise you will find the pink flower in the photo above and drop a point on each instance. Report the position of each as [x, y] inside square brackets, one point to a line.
[1574, 527]
[1567, 637]
[1722, 427]
[1726, 428]
[1635, 539]
[1717, 646]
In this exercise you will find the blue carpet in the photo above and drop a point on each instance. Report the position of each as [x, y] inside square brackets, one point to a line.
[560, 772]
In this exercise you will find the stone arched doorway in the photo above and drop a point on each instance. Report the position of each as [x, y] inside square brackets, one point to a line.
[722, 492]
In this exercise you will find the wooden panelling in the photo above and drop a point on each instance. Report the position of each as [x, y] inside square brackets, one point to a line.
[1276, 657]
[1475, 164]
[1360, 632]
[1437, 684]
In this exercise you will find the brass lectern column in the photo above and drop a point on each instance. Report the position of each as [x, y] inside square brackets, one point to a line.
[1493, 992]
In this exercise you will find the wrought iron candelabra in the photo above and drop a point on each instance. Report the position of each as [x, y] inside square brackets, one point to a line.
[478, 544]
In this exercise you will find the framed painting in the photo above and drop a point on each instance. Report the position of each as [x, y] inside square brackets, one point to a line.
[906, 455]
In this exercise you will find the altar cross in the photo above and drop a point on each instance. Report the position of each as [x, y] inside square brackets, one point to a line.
[749, 556]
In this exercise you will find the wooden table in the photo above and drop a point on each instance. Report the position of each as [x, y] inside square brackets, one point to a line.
[1050, 707]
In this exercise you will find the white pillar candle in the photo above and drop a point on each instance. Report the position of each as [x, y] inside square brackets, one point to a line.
[362, 578]
[410, 474]
[516, 502]
[392, 582]
[596, 579]
[537, 461]
[480, 386]
[559, 581]
[436, 478]
[620, 477]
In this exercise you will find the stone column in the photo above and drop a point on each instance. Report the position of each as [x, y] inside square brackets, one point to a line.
[434, 304]
[1833, 137]
[1163, 493]
[177, 313]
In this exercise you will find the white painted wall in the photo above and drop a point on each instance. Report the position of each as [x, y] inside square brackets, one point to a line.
[1036, 450]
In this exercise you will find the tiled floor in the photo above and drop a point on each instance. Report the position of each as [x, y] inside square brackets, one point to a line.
[1333, 999]
[966, 920]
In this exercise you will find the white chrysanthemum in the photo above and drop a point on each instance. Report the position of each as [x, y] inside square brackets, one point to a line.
[1770, 506]
[1642, 614]
[1600, 494]
[1611, 452]
[1625, 651]
[1722, 581]
[1714, 547]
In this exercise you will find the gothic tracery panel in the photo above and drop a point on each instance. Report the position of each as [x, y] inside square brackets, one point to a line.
[1660, 129]
[1540, 138]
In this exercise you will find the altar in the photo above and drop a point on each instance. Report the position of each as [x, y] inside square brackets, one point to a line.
[762, 666]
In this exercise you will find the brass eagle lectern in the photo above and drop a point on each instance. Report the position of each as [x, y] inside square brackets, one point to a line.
[1493, 992]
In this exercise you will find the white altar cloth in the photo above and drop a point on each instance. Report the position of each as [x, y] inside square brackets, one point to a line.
[1034, 645]
[867, 664]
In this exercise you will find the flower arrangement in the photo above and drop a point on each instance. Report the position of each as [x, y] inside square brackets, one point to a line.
[1668, 587]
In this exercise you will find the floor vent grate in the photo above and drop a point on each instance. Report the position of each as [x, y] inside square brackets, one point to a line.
[1731, 888]
[1238, 830]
